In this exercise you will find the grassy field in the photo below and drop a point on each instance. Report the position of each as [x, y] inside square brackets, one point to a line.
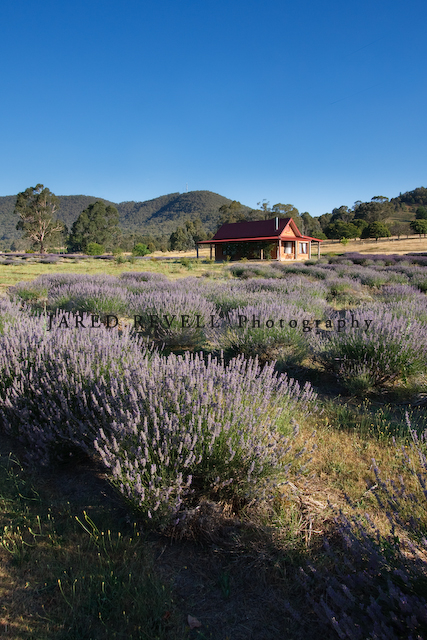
[75, 564]
[173, 267]
[384, 246]
[13, 273]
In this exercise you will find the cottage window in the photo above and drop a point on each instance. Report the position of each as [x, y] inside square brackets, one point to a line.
[288, 247]
[303, 247]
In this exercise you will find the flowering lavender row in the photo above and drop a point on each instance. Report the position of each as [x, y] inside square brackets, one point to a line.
[174, 317]
[272, 331]
[162, 426]
[47, 381]
[197, 426]
[372, 271]
[194, 312]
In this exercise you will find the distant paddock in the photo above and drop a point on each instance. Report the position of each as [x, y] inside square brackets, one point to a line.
[384, 245]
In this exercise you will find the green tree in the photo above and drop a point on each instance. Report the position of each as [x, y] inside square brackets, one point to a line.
[421, 213]
[265, 209]
[419, 226]
[342, 213]
[185, 237]
[196, 230]
[312, 226]
[377, 210]
[98, 223]
[140, 249]
[339, 230]
[37, 208]
[230, 213]
[324, 220]
[181, 240]
[360, 225]
[376, 230]
[94, 249]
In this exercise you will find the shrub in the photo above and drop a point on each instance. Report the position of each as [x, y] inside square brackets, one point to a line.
[168, 429]
[94, 249]
[132, 277]
[140, 249]
[48, 380]
[368, 355]
[273, 339]
[91, 295]
[191, 427]
[175, 318]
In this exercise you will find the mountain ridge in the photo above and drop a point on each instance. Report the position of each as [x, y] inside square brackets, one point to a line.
[157, 217]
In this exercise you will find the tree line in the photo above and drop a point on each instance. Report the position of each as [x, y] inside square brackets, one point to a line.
[97, 230]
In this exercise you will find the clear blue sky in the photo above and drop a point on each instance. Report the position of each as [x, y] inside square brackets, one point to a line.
[316, 103]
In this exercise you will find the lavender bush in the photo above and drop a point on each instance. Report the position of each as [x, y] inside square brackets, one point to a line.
[164, 427]
[89, 297]
[373, 347]
[175, 317]
[271, 331]
[193, 427]
[47, 381]
[142, 276]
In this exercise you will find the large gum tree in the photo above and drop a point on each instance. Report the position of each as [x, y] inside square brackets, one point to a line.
[37, 208]
[98, 223]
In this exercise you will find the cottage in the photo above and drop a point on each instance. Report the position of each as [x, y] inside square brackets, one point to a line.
[275, 239]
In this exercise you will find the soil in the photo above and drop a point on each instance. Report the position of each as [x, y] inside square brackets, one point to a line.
[226, 572]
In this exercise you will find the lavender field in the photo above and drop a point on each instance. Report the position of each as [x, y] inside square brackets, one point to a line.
[284, 404]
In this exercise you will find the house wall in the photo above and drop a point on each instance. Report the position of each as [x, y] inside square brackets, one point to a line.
[283, 256]
[303, 253]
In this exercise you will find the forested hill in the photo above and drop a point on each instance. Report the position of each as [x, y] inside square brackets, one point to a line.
[159, 217]
[70, 208]
[163, 215]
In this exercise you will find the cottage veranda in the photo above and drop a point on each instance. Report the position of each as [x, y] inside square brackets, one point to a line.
[274, 239]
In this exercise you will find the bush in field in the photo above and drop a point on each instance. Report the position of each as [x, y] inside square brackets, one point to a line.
[271, 331]
[191, 427]
[396, 292]
[140, 249]
[10, 313]
[28, 291]
[132, 277]
[48, 378]
[164, 427]
[296, 291]
[90, 296]
[374, 346]
[95, 249]
[173, 317]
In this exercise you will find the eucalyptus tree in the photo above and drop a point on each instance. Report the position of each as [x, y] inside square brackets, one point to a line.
[37, 208]
[98, 223]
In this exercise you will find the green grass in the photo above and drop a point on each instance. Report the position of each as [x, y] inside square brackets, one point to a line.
[63, 577]
[14, 273]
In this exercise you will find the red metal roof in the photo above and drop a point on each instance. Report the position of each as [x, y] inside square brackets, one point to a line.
[257, 230]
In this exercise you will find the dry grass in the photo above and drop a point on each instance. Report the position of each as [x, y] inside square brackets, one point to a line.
[392, 245]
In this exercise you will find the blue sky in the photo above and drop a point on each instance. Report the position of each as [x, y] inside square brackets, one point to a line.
[308, 102]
